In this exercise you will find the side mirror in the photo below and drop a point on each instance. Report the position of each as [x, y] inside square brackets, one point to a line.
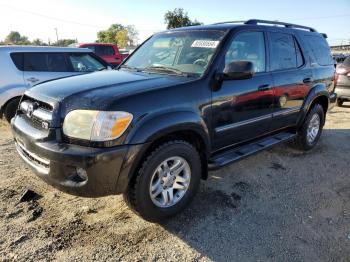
[238, 70]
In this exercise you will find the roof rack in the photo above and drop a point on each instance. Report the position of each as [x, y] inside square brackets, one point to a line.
[288, 25]
[231, 22]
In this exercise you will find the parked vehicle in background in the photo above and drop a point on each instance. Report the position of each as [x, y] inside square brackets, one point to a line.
[108, 52]
[186, 101]
[23, 67]
[343, 81]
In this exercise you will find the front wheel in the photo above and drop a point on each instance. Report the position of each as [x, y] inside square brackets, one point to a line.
[311, 130]
[166, 182]
[11, 108]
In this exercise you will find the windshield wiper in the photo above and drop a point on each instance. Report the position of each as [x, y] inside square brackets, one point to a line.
[131, 68]
[165, 69]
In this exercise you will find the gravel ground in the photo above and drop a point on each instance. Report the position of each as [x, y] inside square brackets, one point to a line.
[279, 205]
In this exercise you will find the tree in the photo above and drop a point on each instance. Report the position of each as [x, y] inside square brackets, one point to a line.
[64, 42]
[178, 18]
[118, 34]
[133, 35]
[38, 42]
[15, 38]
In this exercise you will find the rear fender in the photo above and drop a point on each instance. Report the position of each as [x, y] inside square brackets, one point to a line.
[316, 91]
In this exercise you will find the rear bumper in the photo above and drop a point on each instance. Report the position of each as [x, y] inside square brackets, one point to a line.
[74, 169]
[343, 92]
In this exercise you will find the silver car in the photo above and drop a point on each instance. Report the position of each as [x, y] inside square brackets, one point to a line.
[23, 67]
[343, 82]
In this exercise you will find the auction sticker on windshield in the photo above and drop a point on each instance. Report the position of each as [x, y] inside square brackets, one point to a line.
[205, 43]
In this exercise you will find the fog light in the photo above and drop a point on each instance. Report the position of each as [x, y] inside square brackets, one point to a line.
[77, 179]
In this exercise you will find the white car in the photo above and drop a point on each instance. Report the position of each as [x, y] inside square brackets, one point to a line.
[25, 66]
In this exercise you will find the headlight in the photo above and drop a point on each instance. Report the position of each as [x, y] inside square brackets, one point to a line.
[96, 125]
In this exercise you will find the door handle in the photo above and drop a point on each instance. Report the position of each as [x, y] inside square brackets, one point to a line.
[33, 79]
[307, 80]
[264, 87]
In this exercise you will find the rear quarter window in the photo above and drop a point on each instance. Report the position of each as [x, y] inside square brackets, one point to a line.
[17, 59]
[320, 50]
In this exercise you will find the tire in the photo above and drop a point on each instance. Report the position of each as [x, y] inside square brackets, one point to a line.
[11, 108]
[340, 102]
[138, 195]
[303, 141]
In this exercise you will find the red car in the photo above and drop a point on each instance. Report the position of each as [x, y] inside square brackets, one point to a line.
[108, 52]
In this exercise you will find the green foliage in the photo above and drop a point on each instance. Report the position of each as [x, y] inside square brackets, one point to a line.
[178, 18]
[119, 34]
[64, 42]
[15, 38]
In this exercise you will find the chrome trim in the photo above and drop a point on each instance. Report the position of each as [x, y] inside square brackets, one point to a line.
[287, 111]
[42, 114]
[24, 152]
[39, 113]
[242, 123]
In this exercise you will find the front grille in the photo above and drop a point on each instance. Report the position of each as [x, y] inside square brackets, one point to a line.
[41, 104]
[37, 113]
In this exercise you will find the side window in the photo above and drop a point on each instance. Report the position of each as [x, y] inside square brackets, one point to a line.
[104, 50]
[17, 59]
[300, 58]
[283, 53]
[45, 62]
[85, 63]
[320, 49]
[248, 46]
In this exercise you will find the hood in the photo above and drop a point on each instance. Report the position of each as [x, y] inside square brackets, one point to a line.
[101, 84]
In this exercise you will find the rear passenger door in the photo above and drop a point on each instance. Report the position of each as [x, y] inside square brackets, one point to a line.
[292, 78]
[40, 67]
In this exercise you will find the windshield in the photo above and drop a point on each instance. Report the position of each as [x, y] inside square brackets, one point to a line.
[182, 52]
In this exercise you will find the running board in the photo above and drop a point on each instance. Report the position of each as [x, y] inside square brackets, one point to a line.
[238, 153]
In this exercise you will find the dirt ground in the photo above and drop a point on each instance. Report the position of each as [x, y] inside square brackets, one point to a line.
[279, 205]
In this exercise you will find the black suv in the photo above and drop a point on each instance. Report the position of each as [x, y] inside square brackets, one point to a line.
[186, 101]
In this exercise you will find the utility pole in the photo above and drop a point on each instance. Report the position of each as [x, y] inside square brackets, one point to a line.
[56, 35]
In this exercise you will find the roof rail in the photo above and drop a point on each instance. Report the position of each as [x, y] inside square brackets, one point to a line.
[230, 22]
[288, 25]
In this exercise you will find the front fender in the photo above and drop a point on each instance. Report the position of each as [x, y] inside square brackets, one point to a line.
[319, 90]
[9, 92]
[150, 128]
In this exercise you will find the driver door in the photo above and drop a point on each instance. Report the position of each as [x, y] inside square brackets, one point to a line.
[242, 109]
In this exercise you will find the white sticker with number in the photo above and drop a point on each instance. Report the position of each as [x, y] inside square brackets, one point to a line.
[205, 43]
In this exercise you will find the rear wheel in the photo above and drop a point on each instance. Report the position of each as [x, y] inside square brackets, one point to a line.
[10, 109]
[166, 182]
[340, 102]
[311, 130]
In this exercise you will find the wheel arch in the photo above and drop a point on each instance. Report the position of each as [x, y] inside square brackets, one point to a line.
[317, 95]
[160, 130]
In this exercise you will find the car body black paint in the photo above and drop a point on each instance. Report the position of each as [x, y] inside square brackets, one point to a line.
[222, 114]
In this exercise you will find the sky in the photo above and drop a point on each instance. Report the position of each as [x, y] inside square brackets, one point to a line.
[82, 19]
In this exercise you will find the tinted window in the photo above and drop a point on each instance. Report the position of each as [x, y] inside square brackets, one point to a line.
[248, 46]
[45, 62]
[104, 50]
[320, 49]
[283, 53]
[300, 58]
[85, 63]
[17, 59]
